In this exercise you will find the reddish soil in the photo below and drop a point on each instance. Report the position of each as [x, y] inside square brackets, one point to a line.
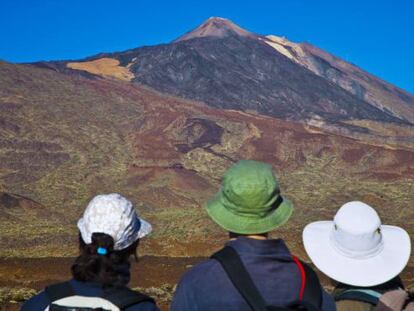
[38, 272]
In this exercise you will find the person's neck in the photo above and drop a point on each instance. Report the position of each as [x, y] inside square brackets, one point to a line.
[250, 236]
[257, 237]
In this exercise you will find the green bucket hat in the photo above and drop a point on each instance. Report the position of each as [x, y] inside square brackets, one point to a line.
[249, 201]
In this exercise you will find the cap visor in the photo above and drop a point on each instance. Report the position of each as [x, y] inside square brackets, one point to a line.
[356, 271]
[145, 229]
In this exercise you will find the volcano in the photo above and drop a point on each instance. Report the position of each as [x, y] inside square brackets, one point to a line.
[223, 65]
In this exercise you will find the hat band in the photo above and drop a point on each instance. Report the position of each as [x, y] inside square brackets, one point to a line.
[265, 209]
[354, 254]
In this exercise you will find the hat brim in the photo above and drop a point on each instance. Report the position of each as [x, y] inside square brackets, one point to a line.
[144, 230]
[356, 271]
[248, 225]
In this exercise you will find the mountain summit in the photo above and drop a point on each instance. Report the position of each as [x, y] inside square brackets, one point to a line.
[215, 27]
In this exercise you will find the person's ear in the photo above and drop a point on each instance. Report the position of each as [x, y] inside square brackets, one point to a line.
[136, 250]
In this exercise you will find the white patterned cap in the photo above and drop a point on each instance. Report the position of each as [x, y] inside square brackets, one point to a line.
[114, 215]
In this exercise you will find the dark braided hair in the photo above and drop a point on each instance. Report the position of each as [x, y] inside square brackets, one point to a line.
[105, 269]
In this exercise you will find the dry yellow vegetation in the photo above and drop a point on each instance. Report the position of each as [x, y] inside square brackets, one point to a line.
[105, 67]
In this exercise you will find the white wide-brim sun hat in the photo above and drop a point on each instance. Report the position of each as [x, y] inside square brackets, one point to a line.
[355, 249]
[114, 215]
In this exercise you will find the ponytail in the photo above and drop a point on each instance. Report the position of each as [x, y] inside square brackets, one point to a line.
[99, 262]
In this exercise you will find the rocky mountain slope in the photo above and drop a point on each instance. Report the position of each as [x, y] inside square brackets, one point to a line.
[362, 84]
[66, 138]
[225, 66]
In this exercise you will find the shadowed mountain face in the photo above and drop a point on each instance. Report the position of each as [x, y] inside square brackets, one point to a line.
[244, 74]
[225, 66]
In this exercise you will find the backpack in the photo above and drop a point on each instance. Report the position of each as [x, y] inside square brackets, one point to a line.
[359, 294]
[310, 296]
[392, 300]
[62, 297]
[396, 300]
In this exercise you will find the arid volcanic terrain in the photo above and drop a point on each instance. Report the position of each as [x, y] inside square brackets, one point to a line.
[161, 124]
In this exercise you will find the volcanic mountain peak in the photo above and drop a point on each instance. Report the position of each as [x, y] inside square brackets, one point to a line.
[243, 70]
[215, 27]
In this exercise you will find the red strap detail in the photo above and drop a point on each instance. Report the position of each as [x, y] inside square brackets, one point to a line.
[302, 276]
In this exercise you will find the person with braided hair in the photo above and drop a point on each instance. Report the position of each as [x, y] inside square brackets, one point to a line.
[109, 234]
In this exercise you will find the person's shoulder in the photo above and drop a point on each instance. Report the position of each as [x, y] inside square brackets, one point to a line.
[201, 271]
[198, 277]
[142, 301]
[38, 302]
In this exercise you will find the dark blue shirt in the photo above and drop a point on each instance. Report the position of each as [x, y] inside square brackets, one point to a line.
[41, 301]
[207, 287]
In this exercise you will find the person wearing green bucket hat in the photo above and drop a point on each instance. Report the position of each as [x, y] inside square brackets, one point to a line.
[249, 201]
[252, 272]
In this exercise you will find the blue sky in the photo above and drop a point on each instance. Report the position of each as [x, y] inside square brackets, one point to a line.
[375, 35]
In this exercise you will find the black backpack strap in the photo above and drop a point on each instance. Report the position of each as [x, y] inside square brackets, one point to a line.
[313, 289]
[310, 296]
[123, 297]
[233, 266]
[58, 291]
[363, 295]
